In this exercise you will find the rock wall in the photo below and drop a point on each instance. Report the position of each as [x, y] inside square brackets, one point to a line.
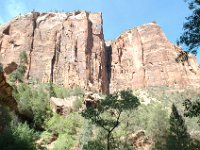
[6, 98]
[65, 48]
[69, 49]
[143, 57]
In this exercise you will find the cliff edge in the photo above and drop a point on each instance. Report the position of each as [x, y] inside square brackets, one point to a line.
[68, 49]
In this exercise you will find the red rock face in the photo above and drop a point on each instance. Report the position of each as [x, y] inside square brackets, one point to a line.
[65, 48]
[68, 49]
[143, 57]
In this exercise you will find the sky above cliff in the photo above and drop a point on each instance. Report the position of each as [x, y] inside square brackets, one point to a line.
[118, 15]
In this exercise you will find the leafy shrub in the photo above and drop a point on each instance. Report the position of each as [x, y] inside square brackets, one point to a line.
[95, 145]
[33, 101]
[62, 92]
[64, 124]
[46, 136]
[77, 103]
[67, 128]
[64, 142]
[152, 118]
[5, 117]
[23, 57]
[19, 137]
[18, 74]
[86, 134]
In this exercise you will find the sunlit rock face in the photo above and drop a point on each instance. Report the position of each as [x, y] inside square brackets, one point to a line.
[65, 48]
[143, 57]
[68, 49]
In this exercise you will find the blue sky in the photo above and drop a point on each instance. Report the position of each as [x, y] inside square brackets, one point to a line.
[118, 15]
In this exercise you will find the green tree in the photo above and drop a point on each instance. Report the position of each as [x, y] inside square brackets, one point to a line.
[23, 57]
[18, 74]
[107, 114]
[33, 103]
[18, 137]
[191, 34]
[192, 109]
[178, 138]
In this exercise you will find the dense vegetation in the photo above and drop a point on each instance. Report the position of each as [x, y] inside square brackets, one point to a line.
[117, 117]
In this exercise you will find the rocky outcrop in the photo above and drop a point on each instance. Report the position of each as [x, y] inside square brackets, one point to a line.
[140, 140]
[92, 100]
[6, 98]
[64, 48]
[62, 106]
[144, 57]
[68, 49]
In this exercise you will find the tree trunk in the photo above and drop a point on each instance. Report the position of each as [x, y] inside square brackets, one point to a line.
[108, 141]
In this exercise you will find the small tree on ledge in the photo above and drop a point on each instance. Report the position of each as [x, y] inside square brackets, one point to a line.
[18, 74]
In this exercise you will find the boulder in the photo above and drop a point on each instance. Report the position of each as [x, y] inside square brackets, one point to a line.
[62, 106]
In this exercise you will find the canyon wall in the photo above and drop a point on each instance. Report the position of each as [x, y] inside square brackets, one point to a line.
[68, 49]
[144, 57]
[64, 48]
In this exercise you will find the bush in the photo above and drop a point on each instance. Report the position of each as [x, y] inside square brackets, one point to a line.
[33, 102]
[94, 145]
[86, 134]
[18, 74]
[5, 118]
[62, 92]
[152, 118]
[19, 137]
[78, 103]
[23, 57]
[67, 128]
[64, 124]
[64, 142]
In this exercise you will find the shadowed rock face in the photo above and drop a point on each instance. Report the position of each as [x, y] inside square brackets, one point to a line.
[144, 57]
[6, 98]
[68, 49]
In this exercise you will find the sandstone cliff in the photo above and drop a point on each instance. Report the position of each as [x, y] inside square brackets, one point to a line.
[68, 49]
[144, 57]
[65, 48]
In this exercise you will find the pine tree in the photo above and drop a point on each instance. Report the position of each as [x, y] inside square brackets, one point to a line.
[178, 138]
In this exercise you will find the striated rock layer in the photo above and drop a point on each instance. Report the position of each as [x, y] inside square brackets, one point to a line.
[64, 48]
[68, 49]
[144, 57]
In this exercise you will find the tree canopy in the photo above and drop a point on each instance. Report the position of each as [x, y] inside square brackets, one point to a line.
[191, 34]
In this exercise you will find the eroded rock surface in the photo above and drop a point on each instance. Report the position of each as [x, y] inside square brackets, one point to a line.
[62, 106]
[68, 49]
[65, 48]
[144, 57]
